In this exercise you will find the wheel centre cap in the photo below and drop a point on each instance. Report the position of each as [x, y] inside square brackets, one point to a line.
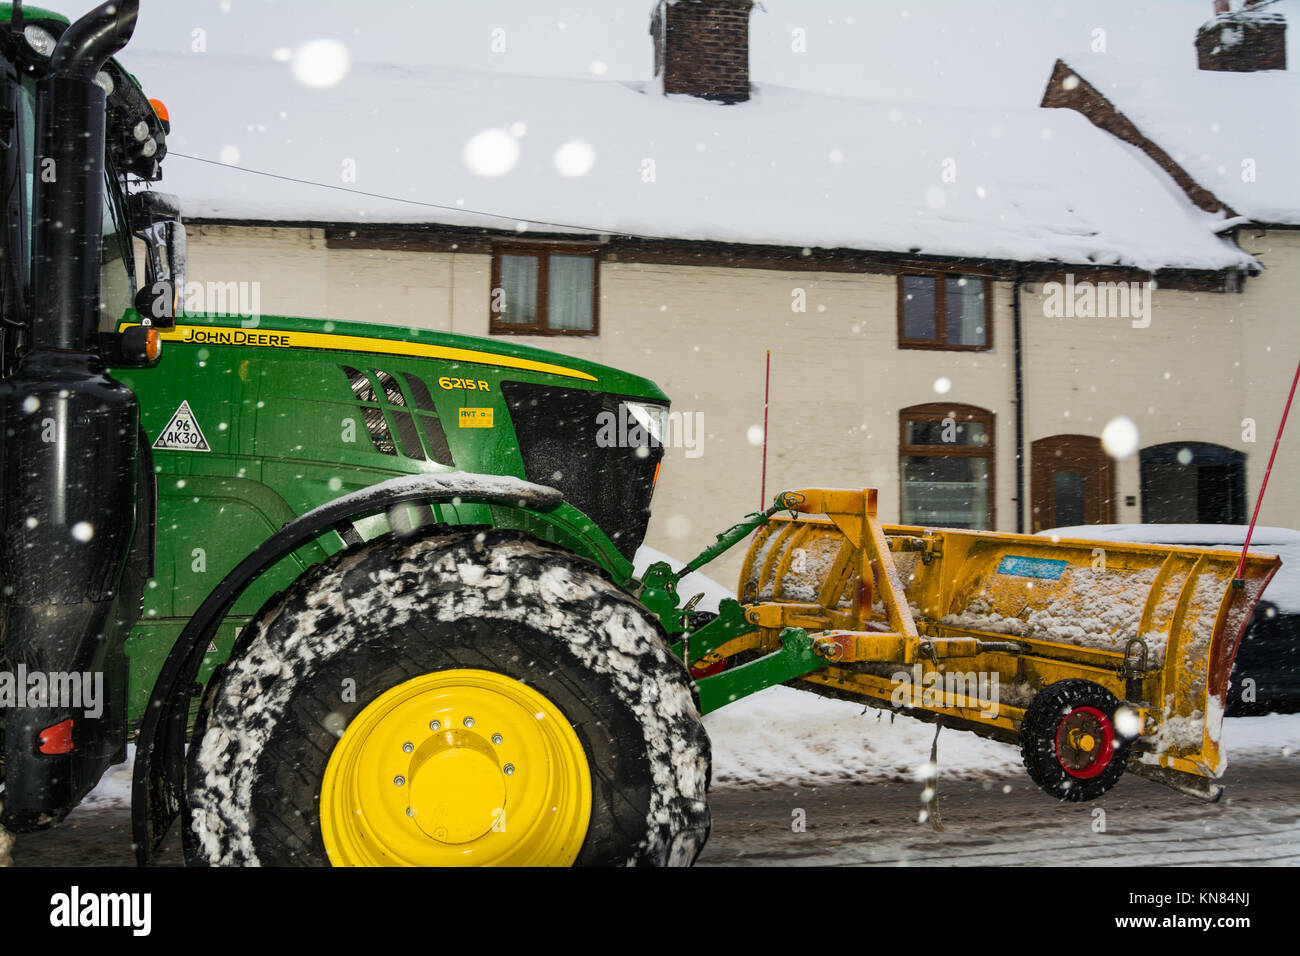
[1081, 740]
[457, 795]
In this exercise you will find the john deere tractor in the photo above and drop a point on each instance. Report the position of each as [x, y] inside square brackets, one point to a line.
[396, 560]
[365, 596]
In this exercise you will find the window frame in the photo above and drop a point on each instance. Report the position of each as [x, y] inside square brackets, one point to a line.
[940, 342]
[543, 252]
[938, 411]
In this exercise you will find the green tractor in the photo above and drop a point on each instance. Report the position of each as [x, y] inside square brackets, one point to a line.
[365, 595]
[362, 594]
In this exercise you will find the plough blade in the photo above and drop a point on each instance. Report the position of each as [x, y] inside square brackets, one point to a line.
[1158, 627]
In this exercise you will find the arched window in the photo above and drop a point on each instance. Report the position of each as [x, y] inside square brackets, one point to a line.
[945, 455]
[1193, 482]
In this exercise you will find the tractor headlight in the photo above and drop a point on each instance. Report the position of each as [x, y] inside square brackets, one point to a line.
[652, 418]
[39, 39]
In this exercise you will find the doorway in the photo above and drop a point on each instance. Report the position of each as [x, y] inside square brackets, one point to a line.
[1072, 482]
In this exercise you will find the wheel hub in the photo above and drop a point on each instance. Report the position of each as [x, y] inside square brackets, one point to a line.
[457, 767]
[456, 793]
[1085, 742]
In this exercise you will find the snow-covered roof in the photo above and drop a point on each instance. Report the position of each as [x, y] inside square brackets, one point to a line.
[787, 168]
[1235, 18]
[1234, 133]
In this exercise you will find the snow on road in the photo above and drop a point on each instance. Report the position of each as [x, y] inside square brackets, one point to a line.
[1009, 821]
[786, 736]
[114, 789]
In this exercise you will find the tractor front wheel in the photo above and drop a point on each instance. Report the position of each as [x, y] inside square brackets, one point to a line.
[450, 699]
[1069, 743]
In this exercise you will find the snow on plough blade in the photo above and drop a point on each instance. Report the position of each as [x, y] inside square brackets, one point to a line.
[1090, 655]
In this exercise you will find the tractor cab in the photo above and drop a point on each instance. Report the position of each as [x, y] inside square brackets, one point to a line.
[135, 143]
[76, 539]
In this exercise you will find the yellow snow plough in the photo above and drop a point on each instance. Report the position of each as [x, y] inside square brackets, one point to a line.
[1092, 656]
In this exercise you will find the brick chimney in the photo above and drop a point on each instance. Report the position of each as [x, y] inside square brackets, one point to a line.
[702, 47]
[1244, 41]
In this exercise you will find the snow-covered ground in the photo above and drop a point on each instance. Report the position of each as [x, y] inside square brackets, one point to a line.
[786, 736]
[114, 788]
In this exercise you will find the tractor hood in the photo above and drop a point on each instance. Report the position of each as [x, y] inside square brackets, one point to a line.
[279, 332]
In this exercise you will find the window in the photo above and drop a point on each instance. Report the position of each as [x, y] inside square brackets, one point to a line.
[946, 460]
[1193, 482]
[17, 126]
[944, 310]
[544, 290]
[117, 258]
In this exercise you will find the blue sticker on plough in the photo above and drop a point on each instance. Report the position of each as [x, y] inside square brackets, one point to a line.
[1050, 569]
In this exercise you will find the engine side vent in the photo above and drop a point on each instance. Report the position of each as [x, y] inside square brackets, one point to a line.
[387, 410]
[361, 386]
[392, 391]
[435, 438]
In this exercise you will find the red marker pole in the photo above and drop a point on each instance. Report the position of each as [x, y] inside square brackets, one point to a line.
[1241, 565]
[767, 394]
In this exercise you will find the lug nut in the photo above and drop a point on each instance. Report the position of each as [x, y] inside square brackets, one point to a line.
[399, 780]
[435, 725]
[509, 769]
[407, 747]
[469, 721]
[496, 739]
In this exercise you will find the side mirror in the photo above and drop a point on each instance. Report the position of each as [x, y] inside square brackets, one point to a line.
[149, 207]
[158, 303]
[155, 219]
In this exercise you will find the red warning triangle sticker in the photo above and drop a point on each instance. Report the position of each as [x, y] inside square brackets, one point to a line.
[183, 432]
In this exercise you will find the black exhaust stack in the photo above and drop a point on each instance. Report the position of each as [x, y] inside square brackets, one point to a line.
[68, 459]
[69, 176]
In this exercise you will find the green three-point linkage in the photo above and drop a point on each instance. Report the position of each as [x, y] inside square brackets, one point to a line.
[794, 658]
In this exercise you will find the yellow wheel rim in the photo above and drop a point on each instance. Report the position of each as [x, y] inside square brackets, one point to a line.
[457, 768]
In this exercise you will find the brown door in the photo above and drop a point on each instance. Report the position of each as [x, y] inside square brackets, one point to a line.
[1073, 482]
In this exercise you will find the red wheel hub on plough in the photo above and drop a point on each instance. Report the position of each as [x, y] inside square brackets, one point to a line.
[1085, 742]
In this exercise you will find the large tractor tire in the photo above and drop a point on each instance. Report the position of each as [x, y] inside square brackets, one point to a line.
[446, 699]
[1069, 743]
